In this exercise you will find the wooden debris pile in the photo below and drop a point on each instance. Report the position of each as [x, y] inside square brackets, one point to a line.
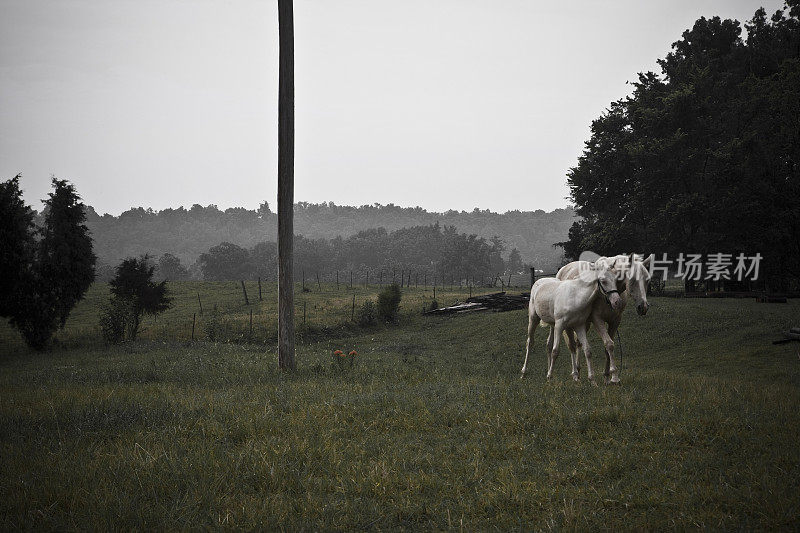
[791, 335]
[771, 299]
[498, 302]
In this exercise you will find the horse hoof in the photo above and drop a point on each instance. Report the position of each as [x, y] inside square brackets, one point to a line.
[575, 378]
[614, 381]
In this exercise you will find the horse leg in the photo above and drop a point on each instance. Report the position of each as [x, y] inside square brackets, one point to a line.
[533, 321]
[581, 332]
[608, 342]
[557, 330]
[613, 370]
[573, 349]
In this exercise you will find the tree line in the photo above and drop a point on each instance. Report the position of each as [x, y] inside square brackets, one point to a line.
[186, 233]
[705, 156]
[432, 250]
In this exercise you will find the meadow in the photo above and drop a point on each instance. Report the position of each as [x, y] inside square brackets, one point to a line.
[430, 428]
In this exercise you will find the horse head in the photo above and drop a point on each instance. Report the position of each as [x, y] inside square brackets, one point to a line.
[638, 277]
[607, 280]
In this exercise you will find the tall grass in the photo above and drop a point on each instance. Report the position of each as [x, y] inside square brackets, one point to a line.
[430, 429]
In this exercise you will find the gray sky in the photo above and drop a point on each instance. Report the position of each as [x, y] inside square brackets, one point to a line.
[445, 104]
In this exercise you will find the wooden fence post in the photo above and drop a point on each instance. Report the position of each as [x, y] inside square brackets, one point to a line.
[353, 311]
[194, 319]
[259, 288]
[244, 291]
[199, 302]
[533, 276]
[351, 279]
[319, 285]
[304, 281]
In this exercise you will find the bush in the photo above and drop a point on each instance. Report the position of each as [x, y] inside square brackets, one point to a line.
[134, 284]
[220, 329]
[116, 320]
[214, 326]
[389, 302]
[367, 315]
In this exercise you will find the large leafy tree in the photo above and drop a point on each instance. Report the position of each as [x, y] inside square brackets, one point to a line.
[704, 157]
[170, 268]
[224, 262]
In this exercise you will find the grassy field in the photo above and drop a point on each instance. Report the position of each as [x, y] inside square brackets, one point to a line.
[430, 429]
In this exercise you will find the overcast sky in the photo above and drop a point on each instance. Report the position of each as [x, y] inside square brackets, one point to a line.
[445, 104]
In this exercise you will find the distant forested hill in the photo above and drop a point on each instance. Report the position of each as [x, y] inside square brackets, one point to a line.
[187, 233]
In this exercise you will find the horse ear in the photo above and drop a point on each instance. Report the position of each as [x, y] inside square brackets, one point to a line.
[648, 261]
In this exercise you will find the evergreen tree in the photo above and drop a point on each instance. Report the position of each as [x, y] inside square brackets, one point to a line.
[17, 248]
[65, 258]
[44, 279]
[514, 264]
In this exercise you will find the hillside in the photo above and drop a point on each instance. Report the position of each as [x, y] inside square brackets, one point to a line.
[187, 233]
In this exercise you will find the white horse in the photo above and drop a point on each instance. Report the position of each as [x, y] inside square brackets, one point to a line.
[567, 305]
[634, 275]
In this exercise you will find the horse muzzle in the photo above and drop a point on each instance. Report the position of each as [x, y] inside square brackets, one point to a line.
[641, 309]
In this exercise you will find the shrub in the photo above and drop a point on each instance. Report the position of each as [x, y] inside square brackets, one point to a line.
[134, 284]
[116, 320]
[389, 302]
[367, 315]
[220, 329]
[214, 326]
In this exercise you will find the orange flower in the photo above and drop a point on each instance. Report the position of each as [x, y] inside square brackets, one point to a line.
[353, 353]
[339, 353]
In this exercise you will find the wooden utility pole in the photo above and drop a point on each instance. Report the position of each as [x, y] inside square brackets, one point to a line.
[285, 185]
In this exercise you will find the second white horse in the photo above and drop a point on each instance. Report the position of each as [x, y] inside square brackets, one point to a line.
[567, 305]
